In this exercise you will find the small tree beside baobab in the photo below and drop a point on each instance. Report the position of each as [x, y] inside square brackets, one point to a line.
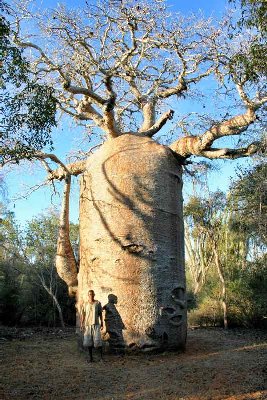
[121, 68]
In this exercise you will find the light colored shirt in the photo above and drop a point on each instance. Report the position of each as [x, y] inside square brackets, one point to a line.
[92, 312]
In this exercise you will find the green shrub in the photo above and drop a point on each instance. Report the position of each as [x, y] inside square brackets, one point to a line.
[208, 313]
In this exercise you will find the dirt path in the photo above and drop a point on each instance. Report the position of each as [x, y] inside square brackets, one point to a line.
[217, 365]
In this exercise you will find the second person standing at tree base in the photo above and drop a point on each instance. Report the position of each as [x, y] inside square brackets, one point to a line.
[92, 324]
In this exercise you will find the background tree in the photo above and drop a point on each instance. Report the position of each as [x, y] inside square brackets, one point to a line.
[30, 288]
[249, 199]
[208, 219]
[9, 268]
[199, 254]
[27, 107]
[240, 247]
[40, 249]
[114, 67]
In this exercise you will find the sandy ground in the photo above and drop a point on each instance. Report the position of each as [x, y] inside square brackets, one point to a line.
[216, 365]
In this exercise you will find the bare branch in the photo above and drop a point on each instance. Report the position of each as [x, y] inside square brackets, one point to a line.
[232, 153]
[199, 77]
[158, 125]
[177, 90]
[77, 116]
[112, 65]
[46, 166]
[63, 171]
[42, 156]
[132, 83]
[130, 51]
[85, 91]
[45, 58]
[29, 190]
[260, 102]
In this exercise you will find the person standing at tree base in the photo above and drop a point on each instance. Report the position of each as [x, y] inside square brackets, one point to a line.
[92, 324]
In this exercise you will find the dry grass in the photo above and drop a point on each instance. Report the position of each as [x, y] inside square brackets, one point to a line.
[217, 365]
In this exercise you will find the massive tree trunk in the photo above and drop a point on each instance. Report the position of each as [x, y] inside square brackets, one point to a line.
[131, 238]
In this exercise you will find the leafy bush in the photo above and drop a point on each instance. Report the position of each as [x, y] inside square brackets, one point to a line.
[208, 313]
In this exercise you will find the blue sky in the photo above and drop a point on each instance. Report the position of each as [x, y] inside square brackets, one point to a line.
[19, 180]
[216, 7]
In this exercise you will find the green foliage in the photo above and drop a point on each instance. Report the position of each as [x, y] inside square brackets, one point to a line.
[238, 225]
[9, 294]
[249, 198]
[10, 268]
[208, 313]
[13, 66]
[27, 260]
[247, 293]
[252, 64]
[27, 108]
[246, 299]
[253, 14]
[201, 212]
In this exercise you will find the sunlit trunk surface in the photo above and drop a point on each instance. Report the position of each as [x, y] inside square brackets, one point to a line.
[131, 239]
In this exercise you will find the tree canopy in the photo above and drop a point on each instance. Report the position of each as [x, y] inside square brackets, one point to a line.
[124, 67]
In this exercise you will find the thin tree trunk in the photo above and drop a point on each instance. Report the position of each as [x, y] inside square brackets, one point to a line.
[223, 290]
[49, 291]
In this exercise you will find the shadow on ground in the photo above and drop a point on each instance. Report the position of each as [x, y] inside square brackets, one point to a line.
[217, 365]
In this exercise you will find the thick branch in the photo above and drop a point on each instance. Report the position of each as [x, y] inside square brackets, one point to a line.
[75, 169]
[149, 115]
[191, 145]
[86, 111]
[65, 260]
[234, 126]
[110, 125]
[181, 87]
[85, 91]
[199, 145]
[158, 125]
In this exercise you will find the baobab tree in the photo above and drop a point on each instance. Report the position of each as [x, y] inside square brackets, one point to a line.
[121, 68]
